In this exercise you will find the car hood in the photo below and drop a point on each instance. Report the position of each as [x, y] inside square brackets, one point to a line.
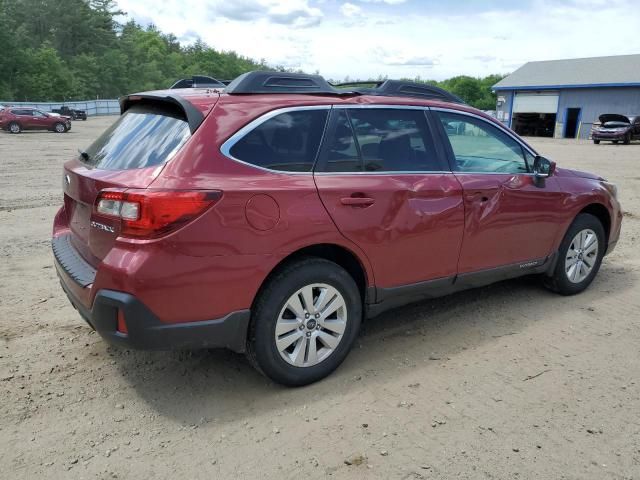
[568, 172]
[613, 117]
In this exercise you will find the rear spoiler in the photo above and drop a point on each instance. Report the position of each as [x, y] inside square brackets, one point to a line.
[194, 116]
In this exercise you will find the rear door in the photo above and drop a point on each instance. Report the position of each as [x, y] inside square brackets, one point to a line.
[25, 117]
[509, 218]
[129, 154]
[388, 189]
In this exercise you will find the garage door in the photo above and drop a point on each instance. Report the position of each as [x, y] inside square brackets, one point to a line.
[536, 103]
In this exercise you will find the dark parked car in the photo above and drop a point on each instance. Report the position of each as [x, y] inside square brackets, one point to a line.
[17, 119]
[73, 113]
[616, 128]
[276, 216]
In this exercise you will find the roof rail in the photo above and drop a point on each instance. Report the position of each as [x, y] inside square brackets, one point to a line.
[279, 82]
[198, 81]
[401, 88]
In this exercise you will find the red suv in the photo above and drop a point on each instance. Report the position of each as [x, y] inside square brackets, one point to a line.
[17, 119]
[273, 216]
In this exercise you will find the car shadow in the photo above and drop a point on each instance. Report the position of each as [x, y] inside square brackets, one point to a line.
[218, 385]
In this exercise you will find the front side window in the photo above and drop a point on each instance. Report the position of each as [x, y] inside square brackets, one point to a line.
[380, 140]
[288, 142]
[480, 147]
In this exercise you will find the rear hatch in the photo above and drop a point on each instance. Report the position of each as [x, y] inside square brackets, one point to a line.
[128, 155]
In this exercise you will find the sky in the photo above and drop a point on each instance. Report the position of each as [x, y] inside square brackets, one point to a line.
[430, 39]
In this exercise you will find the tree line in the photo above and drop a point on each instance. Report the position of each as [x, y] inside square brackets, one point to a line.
[78, 50]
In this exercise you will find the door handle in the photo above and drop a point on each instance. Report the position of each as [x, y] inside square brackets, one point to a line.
[357, 201]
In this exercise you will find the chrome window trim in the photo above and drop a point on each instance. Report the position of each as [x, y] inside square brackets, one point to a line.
[226, 147]
[380, 106]
[499, 126]
[398, 172]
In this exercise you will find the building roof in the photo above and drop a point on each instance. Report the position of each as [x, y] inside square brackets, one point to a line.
[616, 71]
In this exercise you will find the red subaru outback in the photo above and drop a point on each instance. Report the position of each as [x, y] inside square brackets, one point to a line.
[275, 215]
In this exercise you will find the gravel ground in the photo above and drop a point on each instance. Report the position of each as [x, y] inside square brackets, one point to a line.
[508, 381]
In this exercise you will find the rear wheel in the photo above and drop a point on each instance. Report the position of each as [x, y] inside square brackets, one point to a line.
[304, 322]
[597, 142]
[59, 128]
[14, 127]
[579, 256]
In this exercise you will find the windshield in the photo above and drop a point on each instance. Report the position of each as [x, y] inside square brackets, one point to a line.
[615, 125]
[145, 136]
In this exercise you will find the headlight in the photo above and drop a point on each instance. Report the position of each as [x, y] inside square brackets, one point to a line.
[611, 187]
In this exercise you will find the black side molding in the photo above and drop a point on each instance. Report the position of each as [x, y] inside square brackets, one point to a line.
[388, 298]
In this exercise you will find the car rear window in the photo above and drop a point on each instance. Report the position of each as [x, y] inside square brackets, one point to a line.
[145, 136]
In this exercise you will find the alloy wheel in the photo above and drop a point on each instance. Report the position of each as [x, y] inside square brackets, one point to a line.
[581, 256]
[311, 325]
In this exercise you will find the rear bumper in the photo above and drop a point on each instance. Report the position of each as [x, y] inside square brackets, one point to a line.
[144, 330]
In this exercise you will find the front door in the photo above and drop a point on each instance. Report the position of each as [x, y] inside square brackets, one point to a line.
[388, 190]
[509, 217]
[40, 121]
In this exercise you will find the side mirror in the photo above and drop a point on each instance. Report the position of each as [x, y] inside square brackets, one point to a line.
[543, 167]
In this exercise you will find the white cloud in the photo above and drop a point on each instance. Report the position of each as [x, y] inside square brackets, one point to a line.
[350, 10]
[313, 36]
[388, 2]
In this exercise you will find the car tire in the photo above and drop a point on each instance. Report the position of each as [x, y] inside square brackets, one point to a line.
[59, 128]
[597, 142]
[14, 127]
[615, 141]
[289, 339]
[578, 260]
[627, 139]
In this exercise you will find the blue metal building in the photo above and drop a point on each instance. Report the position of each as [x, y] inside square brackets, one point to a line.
[563, 98]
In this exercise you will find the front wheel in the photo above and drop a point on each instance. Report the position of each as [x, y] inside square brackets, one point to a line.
[304, 322]
[579, 256]
[59, 128]
[597, 142]
[627, 139]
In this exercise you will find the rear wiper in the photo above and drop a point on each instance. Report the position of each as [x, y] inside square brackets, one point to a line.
[85, 156]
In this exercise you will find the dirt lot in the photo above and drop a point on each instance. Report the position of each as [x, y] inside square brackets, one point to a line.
[508, 381]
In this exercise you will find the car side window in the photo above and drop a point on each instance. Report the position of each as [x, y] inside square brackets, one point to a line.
[287, 142]
[480, 147]
[380, 140]
[341, 151]
[37, 113]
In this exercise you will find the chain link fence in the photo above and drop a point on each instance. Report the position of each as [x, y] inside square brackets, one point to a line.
[92, 107]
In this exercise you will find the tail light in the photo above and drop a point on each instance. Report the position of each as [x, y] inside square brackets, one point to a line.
[153, 213]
